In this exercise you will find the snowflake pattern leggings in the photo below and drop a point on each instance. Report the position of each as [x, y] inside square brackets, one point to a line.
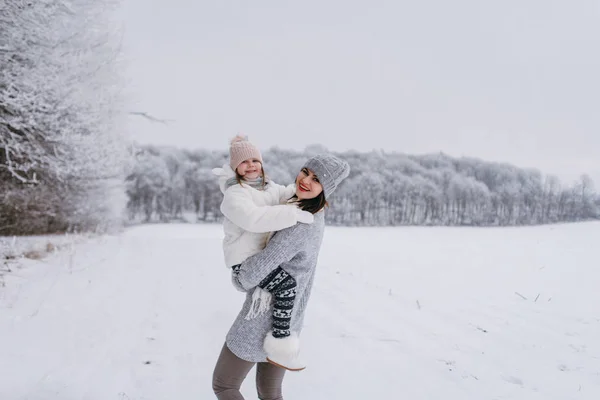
[283, 288]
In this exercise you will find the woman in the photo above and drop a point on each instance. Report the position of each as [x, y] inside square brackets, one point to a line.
[294, 252]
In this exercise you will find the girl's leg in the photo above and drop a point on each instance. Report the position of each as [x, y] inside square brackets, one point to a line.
[283, 288]
[229, 374]
[269, 379]
[281, 345]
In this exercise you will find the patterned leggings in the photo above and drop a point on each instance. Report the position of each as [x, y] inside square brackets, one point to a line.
[283, 288]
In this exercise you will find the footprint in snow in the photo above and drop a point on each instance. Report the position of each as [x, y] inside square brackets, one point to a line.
[513, 380]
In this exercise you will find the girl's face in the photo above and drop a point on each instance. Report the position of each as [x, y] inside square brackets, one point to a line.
[307, 185]
[250, 169]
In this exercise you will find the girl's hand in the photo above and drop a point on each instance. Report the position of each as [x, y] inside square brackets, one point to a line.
[304, 217]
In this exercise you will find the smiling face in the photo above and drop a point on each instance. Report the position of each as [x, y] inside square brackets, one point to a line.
[250, 169]
[307, 185]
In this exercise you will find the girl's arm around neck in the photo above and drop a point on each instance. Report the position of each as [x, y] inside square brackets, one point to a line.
[239, 207]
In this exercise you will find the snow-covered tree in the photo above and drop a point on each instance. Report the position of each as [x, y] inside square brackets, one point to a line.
[62, 147]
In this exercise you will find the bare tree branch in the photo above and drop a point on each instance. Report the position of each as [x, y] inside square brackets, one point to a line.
[150, 117]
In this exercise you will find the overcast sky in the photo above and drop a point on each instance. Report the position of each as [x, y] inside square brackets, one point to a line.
[511, 80]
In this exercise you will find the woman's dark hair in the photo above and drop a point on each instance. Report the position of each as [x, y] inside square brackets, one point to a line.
[314, 205]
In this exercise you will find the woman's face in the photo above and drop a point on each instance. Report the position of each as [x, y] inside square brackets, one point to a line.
[250, 169]
[307, 185]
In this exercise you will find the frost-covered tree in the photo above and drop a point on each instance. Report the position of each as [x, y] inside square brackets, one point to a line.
[147, 185]
[62, 147]
[586, 196]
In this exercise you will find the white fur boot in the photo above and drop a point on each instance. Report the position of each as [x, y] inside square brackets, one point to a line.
[284, 352]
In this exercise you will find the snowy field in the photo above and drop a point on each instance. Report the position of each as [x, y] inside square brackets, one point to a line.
[396, 313]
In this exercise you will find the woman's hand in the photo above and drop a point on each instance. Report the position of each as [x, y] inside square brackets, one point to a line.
[234, 280]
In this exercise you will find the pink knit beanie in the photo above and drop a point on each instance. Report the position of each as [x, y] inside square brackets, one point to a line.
[241, 149]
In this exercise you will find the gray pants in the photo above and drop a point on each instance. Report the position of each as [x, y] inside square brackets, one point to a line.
[231, 371]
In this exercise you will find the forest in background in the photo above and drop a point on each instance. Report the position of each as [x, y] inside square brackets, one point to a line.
[383, 189]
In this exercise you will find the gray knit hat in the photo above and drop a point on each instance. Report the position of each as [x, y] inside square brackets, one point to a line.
[330, 170]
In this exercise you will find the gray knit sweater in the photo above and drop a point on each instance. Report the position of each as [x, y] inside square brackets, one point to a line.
[296, 250]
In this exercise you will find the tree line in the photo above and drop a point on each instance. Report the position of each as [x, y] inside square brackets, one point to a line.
[383, 189]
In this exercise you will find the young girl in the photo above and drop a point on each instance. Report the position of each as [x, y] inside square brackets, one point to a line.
[254, 207]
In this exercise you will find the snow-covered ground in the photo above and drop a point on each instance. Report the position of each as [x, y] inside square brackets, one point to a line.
[396, 313]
